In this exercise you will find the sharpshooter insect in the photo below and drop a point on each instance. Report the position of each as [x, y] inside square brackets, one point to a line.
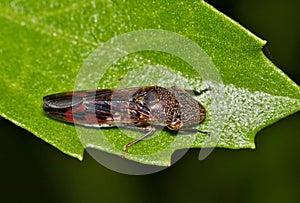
[137, 108]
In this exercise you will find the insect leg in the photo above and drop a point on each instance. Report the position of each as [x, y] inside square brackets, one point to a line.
[204, 132]
[194, 130]
[150, 132]
[195, 92]
[121, 81]
[137, 128]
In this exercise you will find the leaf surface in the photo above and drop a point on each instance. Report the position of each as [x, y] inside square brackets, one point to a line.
[44, 44]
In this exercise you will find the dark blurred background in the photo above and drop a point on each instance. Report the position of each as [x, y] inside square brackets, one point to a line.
[33, 171]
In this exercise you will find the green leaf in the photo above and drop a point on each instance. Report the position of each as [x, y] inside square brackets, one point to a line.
[43, 46]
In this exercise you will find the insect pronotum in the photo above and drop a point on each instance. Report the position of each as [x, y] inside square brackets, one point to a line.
[137, 108]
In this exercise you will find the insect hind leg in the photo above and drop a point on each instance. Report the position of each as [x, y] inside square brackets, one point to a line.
[149, 131]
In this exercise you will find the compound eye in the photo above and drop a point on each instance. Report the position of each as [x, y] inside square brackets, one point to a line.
[175, 125]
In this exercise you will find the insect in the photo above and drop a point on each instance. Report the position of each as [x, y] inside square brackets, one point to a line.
[137, 108]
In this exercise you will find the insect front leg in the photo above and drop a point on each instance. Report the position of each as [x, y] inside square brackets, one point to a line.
[194, 130]
[204, 132]
[149, 131]
[195, 92]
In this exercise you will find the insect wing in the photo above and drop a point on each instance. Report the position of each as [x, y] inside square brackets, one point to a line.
[96, 108]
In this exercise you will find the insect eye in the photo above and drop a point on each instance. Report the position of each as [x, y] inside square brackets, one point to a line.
[175, 125]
